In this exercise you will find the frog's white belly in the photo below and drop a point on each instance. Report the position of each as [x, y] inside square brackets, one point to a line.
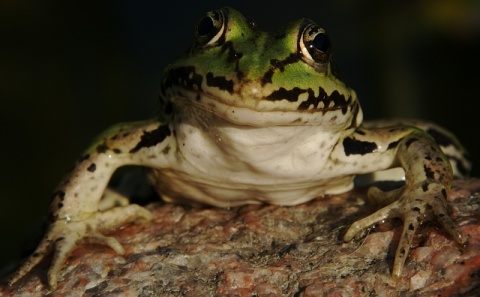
[223, 164]
[176, 186]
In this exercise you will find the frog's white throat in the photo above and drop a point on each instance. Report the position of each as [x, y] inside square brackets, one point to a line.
[249, 154]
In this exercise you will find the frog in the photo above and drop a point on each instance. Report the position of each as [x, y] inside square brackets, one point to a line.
[254, 117]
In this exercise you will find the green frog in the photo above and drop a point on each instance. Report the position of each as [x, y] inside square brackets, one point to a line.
[254, 117]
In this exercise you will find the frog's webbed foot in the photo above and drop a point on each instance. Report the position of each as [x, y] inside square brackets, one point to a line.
[64, 236]
[414, 205]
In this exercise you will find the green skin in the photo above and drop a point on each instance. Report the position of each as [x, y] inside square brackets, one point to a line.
[254, 117]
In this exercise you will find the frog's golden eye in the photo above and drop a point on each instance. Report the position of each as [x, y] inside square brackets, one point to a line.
[210, 28]
[314, 45]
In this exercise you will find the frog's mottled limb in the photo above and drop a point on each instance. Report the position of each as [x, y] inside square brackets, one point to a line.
[78, 211]
[451, 147]
[428, 176]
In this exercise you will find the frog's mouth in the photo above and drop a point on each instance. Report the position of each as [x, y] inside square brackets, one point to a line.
[266, 113]
[252, 102]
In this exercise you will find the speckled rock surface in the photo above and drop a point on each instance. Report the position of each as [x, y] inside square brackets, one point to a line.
[263, 250]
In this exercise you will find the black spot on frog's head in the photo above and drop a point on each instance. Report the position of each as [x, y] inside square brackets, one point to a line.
[219, 82]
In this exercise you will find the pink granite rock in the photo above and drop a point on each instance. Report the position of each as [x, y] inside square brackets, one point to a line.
[264, 250]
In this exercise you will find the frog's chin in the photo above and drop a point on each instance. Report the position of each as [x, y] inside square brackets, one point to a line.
[339, 116]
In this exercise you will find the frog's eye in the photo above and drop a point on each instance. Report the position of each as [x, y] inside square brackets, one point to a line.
[314, 45]
[210, 28]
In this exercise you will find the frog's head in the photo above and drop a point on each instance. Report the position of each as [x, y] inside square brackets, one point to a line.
[251, 77]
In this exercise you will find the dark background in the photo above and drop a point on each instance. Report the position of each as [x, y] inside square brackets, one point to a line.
[68, 70]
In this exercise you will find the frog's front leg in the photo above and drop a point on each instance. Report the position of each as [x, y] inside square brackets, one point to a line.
[428, 176]
[78, 211]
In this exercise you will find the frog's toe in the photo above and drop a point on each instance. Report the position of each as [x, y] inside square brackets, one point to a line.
[108, 220]
[446, 221]
[410, 225]
[396, 209]
[71, 236]
[42, 250]
[377, 196]
[359, 226]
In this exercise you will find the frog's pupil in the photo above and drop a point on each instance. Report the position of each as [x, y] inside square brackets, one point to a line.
[205, 26]
[321, 42]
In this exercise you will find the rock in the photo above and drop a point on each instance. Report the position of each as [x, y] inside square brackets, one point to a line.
[265, 250]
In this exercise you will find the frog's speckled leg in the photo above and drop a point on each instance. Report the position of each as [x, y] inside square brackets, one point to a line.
[451, 147]
[78, 212]
[428, 177]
